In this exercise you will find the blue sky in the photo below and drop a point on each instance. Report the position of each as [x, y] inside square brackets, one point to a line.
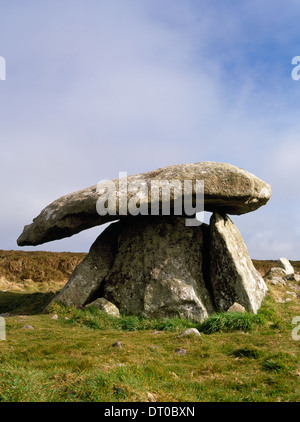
[94, 88]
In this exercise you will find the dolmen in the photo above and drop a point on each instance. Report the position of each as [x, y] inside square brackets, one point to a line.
[156, 258]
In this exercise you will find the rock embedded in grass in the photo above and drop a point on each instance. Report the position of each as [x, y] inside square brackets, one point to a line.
[190, 332]
[154, 347]
[151, 397]
[28, 327]
[236, 307]
[276, 275]
[291, 293]
[180, 351]
[105, 306]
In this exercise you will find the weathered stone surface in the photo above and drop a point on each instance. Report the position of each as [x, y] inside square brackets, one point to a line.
[275, 272]
[28, 327]
[89, 274]
[236, 307]
[159, 268]
[291, 293]
[151, 267]
[151, 397]
[190, 332]
[233, 276]
[105, 306]
[180, 351]
[227, 189]
[157, 271]
[293, 277]
[276, 275]
[285, 265]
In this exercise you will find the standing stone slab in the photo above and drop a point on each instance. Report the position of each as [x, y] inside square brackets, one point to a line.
[87, 277]
[285, 265]
[158, 270]
[233, 276]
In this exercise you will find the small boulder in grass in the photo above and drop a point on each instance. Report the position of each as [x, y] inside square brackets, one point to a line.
[180, 351]
[151, 397]
[236, 307]
[28, 327]
[105, 306]
[190, 332]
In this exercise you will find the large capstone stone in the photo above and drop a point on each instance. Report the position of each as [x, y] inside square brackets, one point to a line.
[227, 189]
[232, 274]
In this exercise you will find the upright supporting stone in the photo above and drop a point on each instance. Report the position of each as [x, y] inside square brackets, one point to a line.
[233, 276]
[158, 270]
[87, 277]
[285, 265]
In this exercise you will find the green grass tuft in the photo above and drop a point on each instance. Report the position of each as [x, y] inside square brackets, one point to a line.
[247, 352]
[280, 362]
[230, 321]
[96, 319]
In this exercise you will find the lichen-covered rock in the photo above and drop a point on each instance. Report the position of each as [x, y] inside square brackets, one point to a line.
[105, 306]
[149, 267]
[227, 189]
[236, 307]
[233, 276]
[276, 275]
[158, 270]
[189, 332]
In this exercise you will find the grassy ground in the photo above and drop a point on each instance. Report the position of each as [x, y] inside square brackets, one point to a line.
[239, 357]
